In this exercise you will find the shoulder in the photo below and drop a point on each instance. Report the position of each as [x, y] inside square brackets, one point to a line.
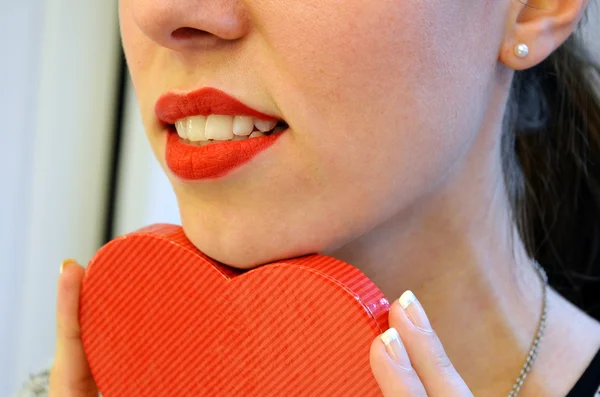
[36, 386]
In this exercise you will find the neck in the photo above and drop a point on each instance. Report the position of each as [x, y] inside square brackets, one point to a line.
[476, 284]
[461, 254]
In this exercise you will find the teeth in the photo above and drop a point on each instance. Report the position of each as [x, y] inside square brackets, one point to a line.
[219, 127]
[223, 128]
[264, 126]
[195, 127]
[256, 134]
[181, 127]
[242, 125]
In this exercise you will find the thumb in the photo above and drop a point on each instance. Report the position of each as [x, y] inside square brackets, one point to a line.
[70, 375]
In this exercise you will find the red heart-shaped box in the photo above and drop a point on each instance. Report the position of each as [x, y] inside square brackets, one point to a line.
[159, 318]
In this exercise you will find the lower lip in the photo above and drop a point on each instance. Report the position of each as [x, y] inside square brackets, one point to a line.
[193, 163]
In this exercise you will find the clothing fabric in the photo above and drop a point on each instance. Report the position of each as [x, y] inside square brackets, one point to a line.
[589, 383]
[37, 386]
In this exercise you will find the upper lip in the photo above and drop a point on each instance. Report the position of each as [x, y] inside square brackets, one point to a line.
[203, 102]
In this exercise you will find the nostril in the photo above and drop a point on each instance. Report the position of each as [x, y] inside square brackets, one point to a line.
[189, 33]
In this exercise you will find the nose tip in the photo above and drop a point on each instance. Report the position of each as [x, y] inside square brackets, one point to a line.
[183, 24]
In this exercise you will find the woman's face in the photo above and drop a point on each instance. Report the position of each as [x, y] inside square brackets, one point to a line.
[383, 99]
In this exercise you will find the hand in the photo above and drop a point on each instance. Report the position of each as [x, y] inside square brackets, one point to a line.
[70, 375]
[409, 360]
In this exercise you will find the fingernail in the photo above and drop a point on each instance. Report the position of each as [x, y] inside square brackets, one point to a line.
[395, 348]
[414, 311]
[66, 263]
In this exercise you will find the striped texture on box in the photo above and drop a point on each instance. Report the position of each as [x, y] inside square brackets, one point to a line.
[159, 318]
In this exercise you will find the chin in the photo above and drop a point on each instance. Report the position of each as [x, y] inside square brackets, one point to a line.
[239, 258]
[243, 251]
[239, 251]
[239, 240]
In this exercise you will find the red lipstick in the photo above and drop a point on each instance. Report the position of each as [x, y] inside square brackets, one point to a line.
[192, 162]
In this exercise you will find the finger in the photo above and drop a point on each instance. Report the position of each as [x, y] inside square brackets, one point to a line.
[70, 375]
[428, 357]
[392, 368]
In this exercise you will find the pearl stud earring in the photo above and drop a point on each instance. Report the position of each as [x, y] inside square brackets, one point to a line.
[521, 50]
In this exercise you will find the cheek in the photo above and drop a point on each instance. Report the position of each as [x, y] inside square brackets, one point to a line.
[368, 86]
[145, 62]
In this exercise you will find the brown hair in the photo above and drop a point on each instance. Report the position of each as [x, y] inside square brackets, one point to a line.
[551, 160]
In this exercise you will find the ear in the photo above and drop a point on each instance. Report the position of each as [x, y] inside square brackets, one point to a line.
[543, 25]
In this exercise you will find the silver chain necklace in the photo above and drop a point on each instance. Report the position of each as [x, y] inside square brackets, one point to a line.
[533, 350]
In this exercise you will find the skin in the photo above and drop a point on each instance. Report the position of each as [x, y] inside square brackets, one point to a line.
[392, 162]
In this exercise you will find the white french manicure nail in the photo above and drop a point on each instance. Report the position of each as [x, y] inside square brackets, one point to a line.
[407, 298]
[414, 311]
[395, 348]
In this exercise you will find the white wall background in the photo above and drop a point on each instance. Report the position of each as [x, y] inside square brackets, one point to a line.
[57, 87]
[145, 194]
[592, 31]
[58, 80]
[18, 80]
